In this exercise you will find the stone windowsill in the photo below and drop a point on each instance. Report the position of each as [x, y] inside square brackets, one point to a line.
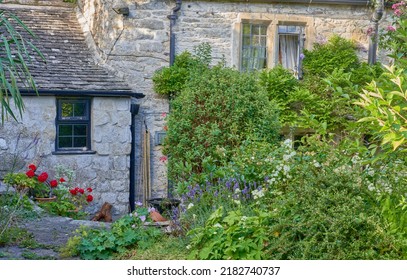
[74, 152]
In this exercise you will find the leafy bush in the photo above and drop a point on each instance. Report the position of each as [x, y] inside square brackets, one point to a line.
[125, 233]
[337, 53]
[171, 80]
[218, 109]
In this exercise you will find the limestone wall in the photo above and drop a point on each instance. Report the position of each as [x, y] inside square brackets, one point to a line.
[135, 46]
[106, 171]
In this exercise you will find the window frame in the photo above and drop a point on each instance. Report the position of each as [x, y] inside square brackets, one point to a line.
[273, 21]
[59, 120]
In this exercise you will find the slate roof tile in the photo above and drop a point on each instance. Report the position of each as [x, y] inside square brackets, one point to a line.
[69, 62]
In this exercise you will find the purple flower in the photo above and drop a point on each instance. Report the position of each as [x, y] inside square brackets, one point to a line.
[151, 209]
[391, 28]
[143, 218]
[302, 56]
[138, 203]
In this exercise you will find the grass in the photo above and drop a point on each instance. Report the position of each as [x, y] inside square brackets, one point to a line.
[168, 248]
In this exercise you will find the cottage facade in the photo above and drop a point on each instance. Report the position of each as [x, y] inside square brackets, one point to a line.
[130, 40]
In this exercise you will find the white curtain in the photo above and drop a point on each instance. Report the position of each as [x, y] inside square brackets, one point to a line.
[288, 52]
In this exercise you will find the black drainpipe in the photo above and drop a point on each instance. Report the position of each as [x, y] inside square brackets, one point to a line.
[134, 108]
[173, 17]
[374, 39]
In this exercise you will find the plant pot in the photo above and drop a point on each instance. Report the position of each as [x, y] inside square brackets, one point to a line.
[45, 199]
[164, 205]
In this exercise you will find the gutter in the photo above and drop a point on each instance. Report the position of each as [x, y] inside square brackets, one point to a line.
[173, 17]
[134, 108]
[327, 2]
[374, 39]
[79, 93]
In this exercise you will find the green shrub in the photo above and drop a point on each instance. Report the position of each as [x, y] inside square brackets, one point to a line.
[125, 233]
[218, 109]
[337, 53]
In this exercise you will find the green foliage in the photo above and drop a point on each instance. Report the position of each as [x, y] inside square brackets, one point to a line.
[171, 80]
[232, 237]
[337, 53]
[215, 117]
[127, 232]
[386, 102]
[14, 62]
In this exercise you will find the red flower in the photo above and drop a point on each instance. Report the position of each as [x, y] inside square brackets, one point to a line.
[62, 180]
[81, 191]
[30, 173]
[89, 198]
[73, 191]
[53, 183]
[43, 177]
[163, 158]
[32, 167]
[89, 190]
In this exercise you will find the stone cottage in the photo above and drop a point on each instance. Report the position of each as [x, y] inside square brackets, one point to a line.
[112, 51]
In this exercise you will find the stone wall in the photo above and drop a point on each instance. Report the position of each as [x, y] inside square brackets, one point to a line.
[135, 46]
[106, 171]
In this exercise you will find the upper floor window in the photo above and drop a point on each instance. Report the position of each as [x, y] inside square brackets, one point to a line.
[269, 43]
[290, 45]
[254, 46]
[73, 125]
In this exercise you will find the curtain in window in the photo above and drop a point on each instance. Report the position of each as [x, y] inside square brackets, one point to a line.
[289, 52]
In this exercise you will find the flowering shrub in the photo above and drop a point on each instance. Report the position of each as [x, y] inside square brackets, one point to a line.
[38, 184]
[80, 197]
[393, 37]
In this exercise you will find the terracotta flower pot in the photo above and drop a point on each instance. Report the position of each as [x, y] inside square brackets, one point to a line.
[45, 199]
[156, 217]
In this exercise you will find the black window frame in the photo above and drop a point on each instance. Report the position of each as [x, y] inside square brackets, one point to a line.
[83, 120]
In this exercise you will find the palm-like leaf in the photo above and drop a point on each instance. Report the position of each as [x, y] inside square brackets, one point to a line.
[15, 56]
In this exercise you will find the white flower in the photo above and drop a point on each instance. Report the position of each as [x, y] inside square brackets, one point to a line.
[286, 168]
[237, 202]
[257, 193]
[316, 164]
[190, 206]
[244, 218]
[287, 143]
[237, 190]
[189, 247]
[218, 225]
[194, 216]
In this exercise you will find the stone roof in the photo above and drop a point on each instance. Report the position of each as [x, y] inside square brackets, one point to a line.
[70, 64]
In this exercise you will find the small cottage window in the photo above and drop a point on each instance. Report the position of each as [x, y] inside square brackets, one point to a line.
[290, 45]
[73, 125]
[267, 43]
[254, 46]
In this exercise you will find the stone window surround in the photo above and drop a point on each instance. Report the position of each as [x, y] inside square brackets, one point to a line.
[273, 20]
[62, 151]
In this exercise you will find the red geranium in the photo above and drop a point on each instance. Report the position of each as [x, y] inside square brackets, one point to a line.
[81, 191]
[30, 173]
[89, 190]
[62, 180]
[73, 191]
[89, 198]
[32, 167]
[53, 183]
[43, 177]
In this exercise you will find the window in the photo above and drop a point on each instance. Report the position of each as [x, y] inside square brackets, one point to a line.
[254, 47]
[270, 41]
[73, 125]
[290, 45]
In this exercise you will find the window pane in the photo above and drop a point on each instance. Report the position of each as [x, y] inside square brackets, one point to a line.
[79, 130]
[79, 109]
[64, 142]
[66, 110]
[254, 43]
[65, 130]
[79, 142]
[74, 109]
